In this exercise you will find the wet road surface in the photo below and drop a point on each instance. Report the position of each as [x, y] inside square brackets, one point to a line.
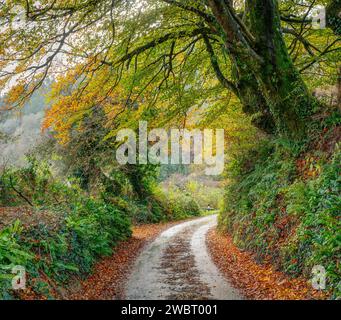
[177, 265]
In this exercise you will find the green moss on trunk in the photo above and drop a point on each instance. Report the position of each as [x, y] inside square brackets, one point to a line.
[281, 84]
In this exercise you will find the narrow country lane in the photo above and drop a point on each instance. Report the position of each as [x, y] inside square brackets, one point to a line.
[176, 265]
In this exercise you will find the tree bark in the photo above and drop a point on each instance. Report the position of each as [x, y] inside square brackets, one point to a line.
[339, 88]
[282, 86]
[254, 102]
[268, 80]
[333, 15]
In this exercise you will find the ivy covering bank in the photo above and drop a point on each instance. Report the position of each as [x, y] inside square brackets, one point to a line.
[283, 202]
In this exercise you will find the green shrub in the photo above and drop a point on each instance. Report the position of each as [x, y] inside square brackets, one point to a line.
[181, 205]
[318, 238]
[273, 210]
[205, 195]
[11, 255]
[35, 185]
[91, 230]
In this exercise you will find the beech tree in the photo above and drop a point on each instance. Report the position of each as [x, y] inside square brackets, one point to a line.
[251, 47]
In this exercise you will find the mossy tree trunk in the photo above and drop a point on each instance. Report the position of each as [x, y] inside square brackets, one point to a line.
[269, 80]
[282, 86]
[253, 101]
